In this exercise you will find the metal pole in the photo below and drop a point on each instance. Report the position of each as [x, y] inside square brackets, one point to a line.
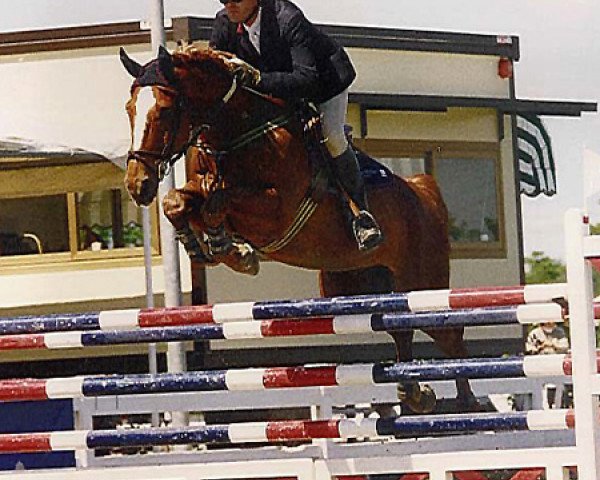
[169, 248]
[152, 360]
[583, 344]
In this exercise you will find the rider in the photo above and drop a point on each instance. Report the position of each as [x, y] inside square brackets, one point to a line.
[288, 57]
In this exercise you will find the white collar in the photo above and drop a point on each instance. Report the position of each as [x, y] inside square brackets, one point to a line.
[255, 27]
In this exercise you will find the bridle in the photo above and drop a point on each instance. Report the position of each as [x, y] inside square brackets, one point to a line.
[161, 163]
[167, 158]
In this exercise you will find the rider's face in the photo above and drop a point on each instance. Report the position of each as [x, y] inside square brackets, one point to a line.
[240, 12]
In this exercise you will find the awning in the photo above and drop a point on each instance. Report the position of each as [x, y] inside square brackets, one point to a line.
[437, 103]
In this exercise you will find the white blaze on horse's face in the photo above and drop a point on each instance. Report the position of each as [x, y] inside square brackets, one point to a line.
[145, 102]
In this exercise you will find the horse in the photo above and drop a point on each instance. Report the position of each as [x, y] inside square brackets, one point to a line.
[251, 172]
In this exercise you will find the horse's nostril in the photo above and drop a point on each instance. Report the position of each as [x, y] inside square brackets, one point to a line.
[146, 191]
[144, 188]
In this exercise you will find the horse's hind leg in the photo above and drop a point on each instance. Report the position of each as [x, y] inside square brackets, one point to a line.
[418, 398]
[451, 342]
[372, 281]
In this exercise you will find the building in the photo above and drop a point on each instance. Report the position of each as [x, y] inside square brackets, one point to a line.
[433, 102]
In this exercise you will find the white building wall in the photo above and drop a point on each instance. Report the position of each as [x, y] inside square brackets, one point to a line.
[77, 98]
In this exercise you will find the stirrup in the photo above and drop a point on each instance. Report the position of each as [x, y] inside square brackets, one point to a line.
[367, 233]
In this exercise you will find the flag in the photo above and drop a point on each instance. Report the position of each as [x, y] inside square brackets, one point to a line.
[537, 173]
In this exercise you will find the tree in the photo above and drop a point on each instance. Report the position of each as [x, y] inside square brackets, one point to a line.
[539, 268]
[542, 269]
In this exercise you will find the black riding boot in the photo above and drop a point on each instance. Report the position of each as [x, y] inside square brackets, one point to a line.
[366, 230]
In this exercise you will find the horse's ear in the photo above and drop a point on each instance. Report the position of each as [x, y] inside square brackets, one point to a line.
[165, 62]
[133, 68]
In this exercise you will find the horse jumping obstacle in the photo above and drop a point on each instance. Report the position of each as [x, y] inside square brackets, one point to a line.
[584, 362]
[285, 377]
[302, 326]
[260, 432]
[427, 300]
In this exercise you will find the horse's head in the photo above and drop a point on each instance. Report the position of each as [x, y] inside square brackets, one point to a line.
[173, 98]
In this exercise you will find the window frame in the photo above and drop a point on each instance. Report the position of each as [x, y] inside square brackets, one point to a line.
[74, 256]
[435, 151]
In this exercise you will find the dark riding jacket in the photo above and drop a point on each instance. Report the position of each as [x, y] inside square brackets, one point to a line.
[296, 59]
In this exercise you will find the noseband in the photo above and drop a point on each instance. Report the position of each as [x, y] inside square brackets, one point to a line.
[161, 163]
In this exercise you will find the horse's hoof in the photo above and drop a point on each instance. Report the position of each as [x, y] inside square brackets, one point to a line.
[468, 405]
[418, 399]
[244, 259]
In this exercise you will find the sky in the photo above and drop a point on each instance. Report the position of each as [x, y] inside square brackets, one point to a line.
[560, 60]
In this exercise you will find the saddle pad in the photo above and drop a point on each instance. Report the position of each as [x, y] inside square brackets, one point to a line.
[373, 172]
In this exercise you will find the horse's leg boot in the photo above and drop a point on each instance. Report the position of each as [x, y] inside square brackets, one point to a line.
[192, 245]
[237, 255]
[366, 230]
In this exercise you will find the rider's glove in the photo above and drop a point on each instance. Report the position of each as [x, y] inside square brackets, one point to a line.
[245, 73]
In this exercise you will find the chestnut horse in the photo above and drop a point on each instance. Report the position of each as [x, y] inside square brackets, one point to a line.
[252, 173]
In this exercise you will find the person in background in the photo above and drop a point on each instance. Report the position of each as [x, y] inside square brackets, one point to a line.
[286, 56]
[548, 338]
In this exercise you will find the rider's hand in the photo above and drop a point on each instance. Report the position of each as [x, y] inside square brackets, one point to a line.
[245, 73]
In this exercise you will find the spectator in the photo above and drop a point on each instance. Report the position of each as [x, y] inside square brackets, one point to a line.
[549, 338]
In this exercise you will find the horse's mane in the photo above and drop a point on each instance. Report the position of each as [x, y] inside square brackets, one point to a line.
[207, 60]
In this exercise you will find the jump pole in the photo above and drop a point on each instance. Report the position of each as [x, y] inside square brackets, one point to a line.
[291, 430]
[257, 379]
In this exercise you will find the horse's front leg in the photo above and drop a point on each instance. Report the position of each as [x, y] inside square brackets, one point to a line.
[182, 209]
[234, 252]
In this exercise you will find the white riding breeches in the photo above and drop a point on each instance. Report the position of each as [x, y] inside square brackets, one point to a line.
[334, 118]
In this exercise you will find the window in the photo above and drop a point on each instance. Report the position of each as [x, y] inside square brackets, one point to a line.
[473, 215]
[73, 226]
[107, 220]
[33, 225]
[468, 175]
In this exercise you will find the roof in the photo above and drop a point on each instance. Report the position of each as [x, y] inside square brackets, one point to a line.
[397, 39]
[195, 28]
[436, 103]
[17, 153]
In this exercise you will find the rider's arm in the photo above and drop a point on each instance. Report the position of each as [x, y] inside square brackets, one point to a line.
[303, 80]
[219, 34]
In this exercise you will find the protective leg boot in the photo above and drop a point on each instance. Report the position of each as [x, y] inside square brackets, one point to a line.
[192, 245]
[237, 255]
[366, 230]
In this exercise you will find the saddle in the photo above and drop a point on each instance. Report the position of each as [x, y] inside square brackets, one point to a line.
[373, 172]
